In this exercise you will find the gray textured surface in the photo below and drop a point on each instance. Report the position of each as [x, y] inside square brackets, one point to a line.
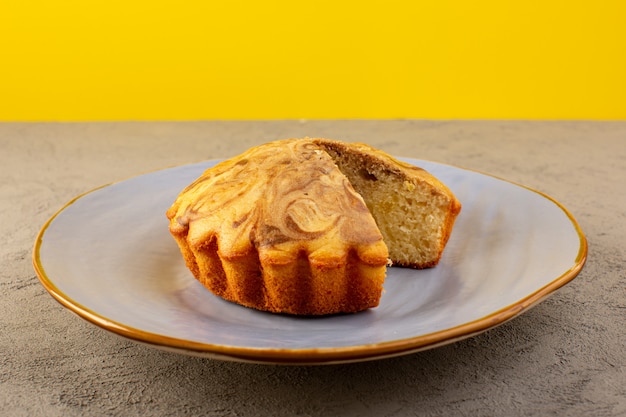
[563, 357]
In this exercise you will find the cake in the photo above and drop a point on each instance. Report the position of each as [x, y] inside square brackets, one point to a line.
[309, 226]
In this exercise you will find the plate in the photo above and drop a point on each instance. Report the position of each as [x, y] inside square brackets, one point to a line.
[107, 255]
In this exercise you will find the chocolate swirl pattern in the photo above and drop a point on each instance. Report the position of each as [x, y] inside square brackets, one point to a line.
[265, 199]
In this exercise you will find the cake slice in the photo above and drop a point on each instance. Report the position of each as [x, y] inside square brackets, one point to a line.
[415, 212]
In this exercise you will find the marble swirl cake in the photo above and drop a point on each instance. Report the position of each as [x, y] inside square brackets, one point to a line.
[309, 226]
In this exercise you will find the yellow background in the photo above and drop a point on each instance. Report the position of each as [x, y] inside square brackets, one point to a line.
[167, 60]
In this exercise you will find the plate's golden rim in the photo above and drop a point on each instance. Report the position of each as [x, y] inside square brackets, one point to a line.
[321, 355]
